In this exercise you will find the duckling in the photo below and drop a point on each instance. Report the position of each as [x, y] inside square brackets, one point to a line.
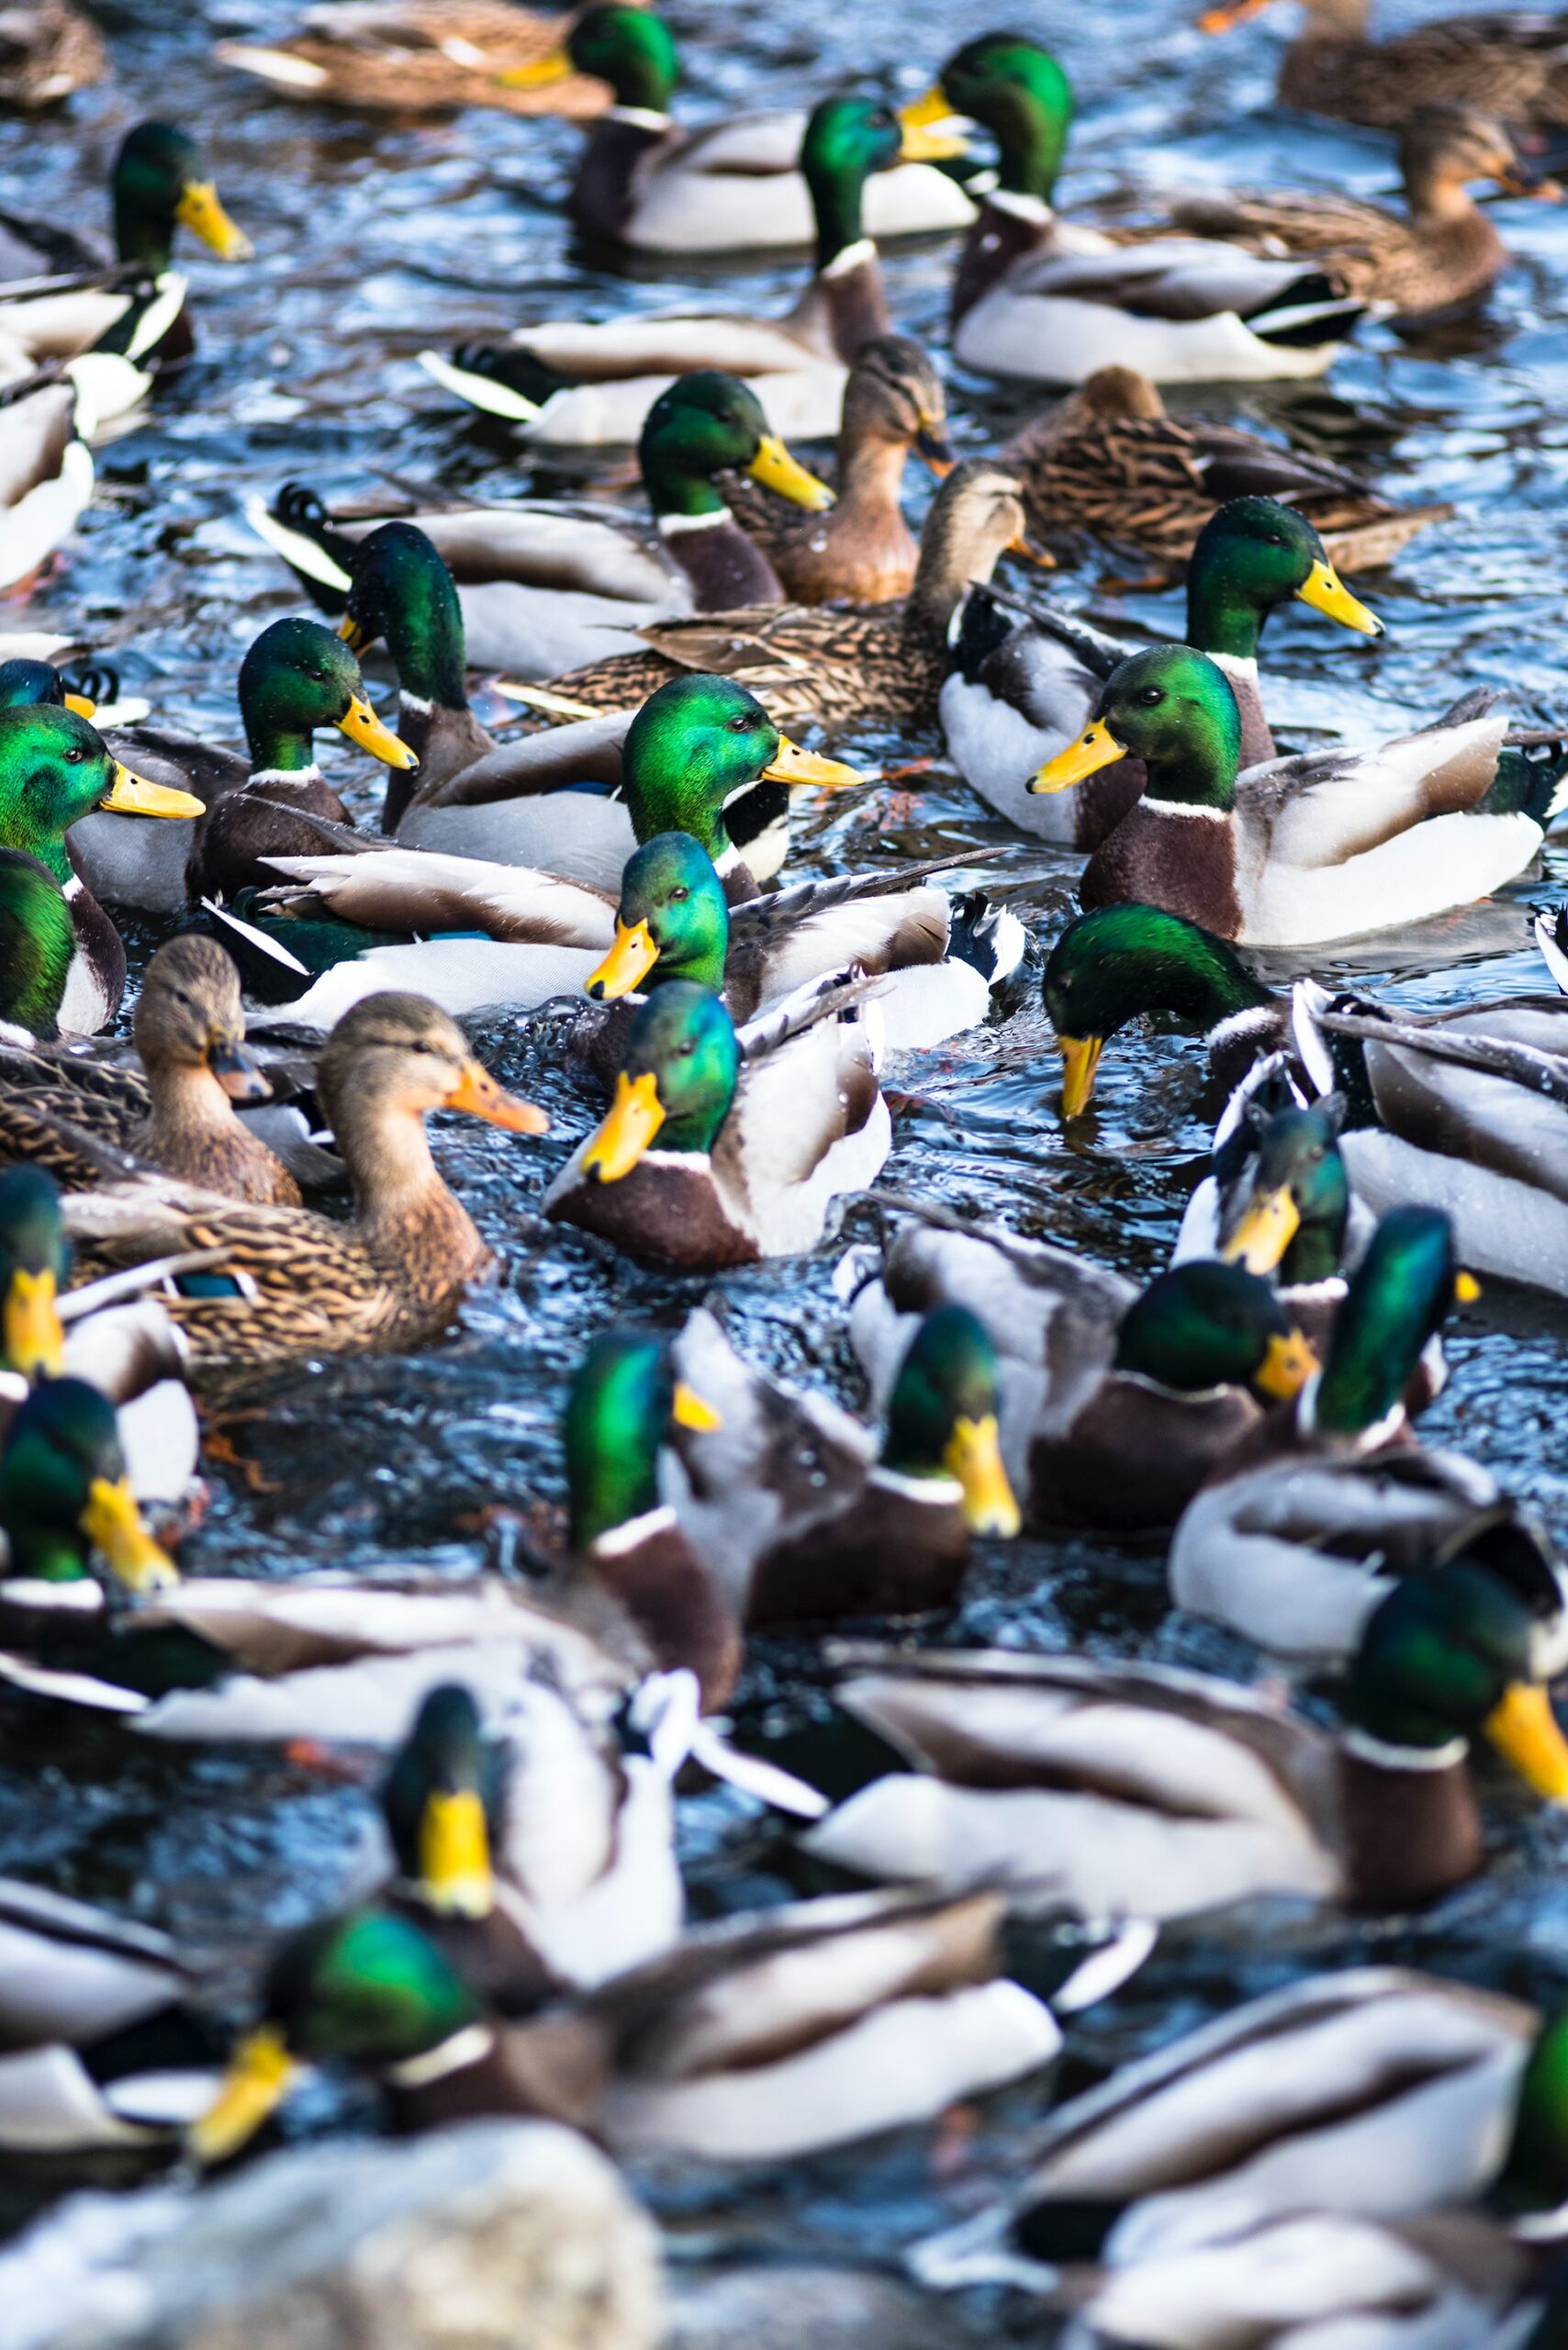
[757, 1130]
[736, 186]
[1124, 1790]
[1110, 462]
[1511, 66]
[48, 50]
[1032, 299]
[1330, 846]
[567, 382]
[298, 1283]
[190, 1033]
[407, 57]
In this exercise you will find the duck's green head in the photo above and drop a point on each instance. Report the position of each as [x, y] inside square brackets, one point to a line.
[64, 1494]
[37, 941]
[159, 185]
[403, 591]
[1399, 1297]
[1174, 709]
[368, 1989]
[1118, 961]
[1291, 1218]
[631, 49]
[25, 684]
[698, 744]
[942, 1418]
[1449, 1654]
[1015, 90]
[847, 138]
[297, 679]
[622, 1404]
[441, 1801]
[54, 770]
[1535, 2176]
[1205, 1325]
[35, 1263]
[709, 423]
[676, 1084]
[1252, 555]
[673, 922]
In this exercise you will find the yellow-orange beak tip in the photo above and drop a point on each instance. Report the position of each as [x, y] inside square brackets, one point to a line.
[477, 1092]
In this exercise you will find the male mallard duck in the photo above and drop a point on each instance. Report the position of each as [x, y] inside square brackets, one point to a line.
[1109, 461]
[726, 1145]
[738, 186]
[1134, 1790]
[1436, 263]
[567, 381]
[305, 1285]
[408, 57]
[67, 1498]
[90, 687]
[1116, 1404]
[48, 48]
[179, 1116]
[803, 1518]
[1024, 685]
[1511, 65]
[1329, 845]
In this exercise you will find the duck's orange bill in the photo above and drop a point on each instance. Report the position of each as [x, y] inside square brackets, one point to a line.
[1027, 552]
[792, 766]
[556, 67]
[1525, 1732]
[1522, 181]
[689, 1411]
[627, 1134]
[113, 1524]
[1466, 1289]
[625, 967]
[1327, 592]
[934, 450]
[255, 2085]
[132, 795]
[1269, 1221]
[455, 1876]
[1095, 748]
[1230, 12]
[1080, 1060]
[775, 469]
[199, 210]
[477, 1092]
[360, 724]
[34, 1333]
[1286, 1367]
[81, 705]
[973, 1456]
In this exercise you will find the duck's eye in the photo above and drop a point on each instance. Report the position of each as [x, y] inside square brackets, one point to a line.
[740, 725]
[1148, 696]
[1275, 539]
[74, 756]
[688, 1048]
[318, 677]
[678, 897]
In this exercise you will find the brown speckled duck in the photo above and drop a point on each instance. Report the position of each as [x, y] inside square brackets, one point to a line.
[1514, 64]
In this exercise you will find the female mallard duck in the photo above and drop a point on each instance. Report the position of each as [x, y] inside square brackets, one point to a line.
[570, 382]
[726, 1145]
[1436, 263]
[1024, 685]
[803, 1518]
[1033, 300]
[298, 1283]
[1110, 462]
[1133, 1790]
[1116, 1404]
[177, 1114]
[47, 51]
[408, 57]
[1509, 65]
[736, 188]
[1330, 846]
[538, 591]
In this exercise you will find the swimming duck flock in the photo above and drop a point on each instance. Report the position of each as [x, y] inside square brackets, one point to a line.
[783, 1098]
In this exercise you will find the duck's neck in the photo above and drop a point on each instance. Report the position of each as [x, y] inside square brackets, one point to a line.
[870, 478]
[142, 242]
[947, 569]
[408, 1220]
[603, 195]
[1203, 774]
[845, 307]
[188, 1104]
[1408, 1823]
[1008, 228]
[1314, 1254]
[445, 737]
[277, 753]
[727, 571]
[1222, 616]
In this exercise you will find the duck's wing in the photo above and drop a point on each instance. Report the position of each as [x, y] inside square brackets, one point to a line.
[1285, 226]
[582, 750]
[1324, 807]
[423, 892]
[72, 1973]
[1180, 280]
[183, 762]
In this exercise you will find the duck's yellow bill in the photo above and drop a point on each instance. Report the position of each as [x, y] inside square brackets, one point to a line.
[1080, 1060]
[253, 2087]
[199, 210]
[455, 1877]
[689, 1411]
[775, 468]
[1327, 592]
[353, 633]
[931, 142]
[1232, 12]
[34, 1333]
[1525, 1732]
[1288, 1365]
[625, 967]
[81, 705]
[556, 67]
[973, 1455]
[926, 112]
[360, 724]
[627, 1134]
[1095, 748]
[1027, 552]
[112, 1523]
[791, 764]
[1269, 1221]
[1466, 1289]
[132, 795]
[477, 1092]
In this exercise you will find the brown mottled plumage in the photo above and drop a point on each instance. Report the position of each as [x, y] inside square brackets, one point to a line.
[46, 52]
[419, 57]
[1513, 65]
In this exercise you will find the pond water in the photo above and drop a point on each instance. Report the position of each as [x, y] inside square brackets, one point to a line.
[375, 238]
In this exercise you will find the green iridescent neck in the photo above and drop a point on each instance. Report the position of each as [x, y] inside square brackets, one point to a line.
[1397, 1299]
[612, 1428]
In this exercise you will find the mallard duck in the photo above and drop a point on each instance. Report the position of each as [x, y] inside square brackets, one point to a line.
[1035, 299]
[1436, 263]
[798, 1513]
[66, 1495]
[1330, 846]
[297, 1282]
[47, 474]
[408, 57]
[48, 48]
[1116, 1404]
[726, 1145]
[1024, 684]
[1110, 462]
[1134, 1790]
[90, 687]
[1511, 65]
[569, 382]
[739, 186]
[766, 2036]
